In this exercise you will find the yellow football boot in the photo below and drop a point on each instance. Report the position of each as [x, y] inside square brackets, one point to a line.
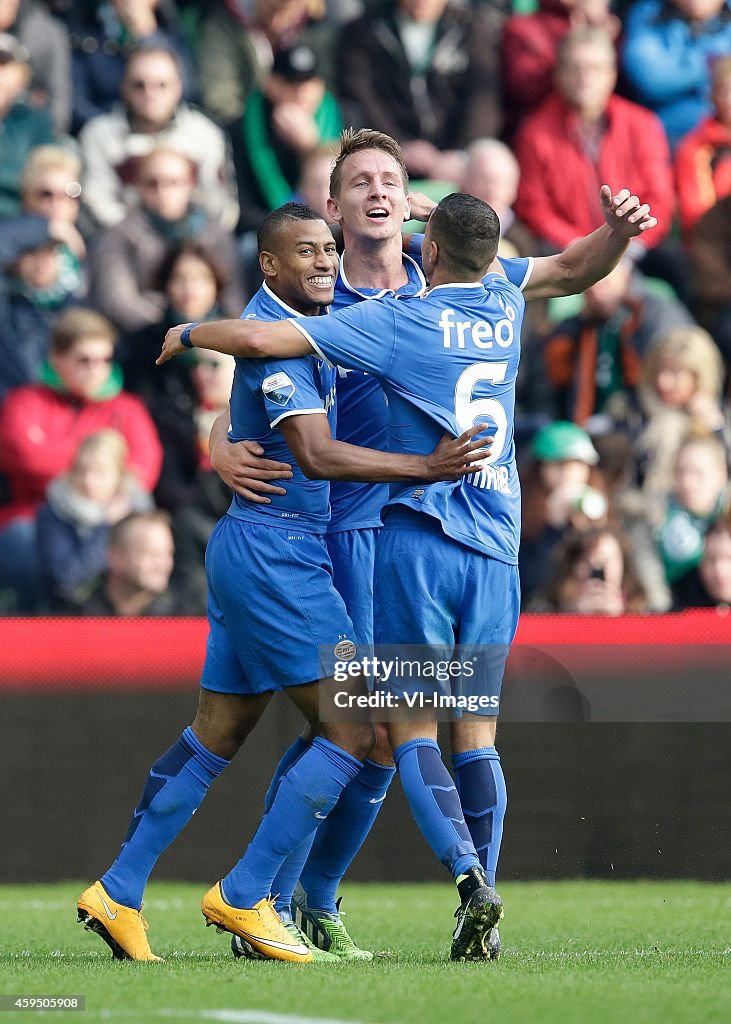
[261, 927]
[123, 929]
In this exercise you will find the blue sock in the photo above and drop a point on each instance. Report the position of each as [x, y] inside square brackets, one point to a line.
[434, 802]
[306, 795]
[338, 839]
[292, 754]
[176, 786]
[482, 793]
[288, 875]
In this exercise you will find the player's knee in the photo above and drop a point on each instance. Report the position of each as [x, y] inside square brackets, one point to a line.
[382, 752]
[223, 738]
[363, 740]
[357, 738]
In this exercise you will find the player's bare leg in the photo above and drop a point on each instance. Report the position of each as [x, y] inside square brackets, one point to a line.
[356, 736]
[224, 720]
[472, 731]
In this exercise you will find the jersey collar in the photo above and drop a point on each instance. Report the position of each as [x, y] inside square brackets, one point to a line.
[458, 284]
[409, 261]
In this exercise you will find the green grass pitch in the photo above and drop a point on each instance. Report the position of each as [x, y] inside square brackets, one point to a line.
[575, 953]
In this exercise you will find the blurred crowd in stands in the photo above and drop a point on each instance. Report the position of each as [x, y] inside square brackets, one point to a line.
[143, 141]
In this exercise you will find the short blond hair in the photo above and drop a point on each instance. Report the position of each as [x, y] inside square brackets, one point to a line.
[708, 442]
[106, 442]
[693, 349]
[49, 158]
[352, 141]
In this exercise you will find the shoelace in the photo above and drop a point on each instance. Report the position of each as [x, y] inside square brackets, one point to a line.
[295, 930]
[340, 938]
[145, 925]
[270, 901]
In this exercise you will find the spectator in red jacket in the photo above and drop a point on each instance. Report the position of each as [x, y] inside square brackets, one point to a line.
[41, 426]
[530, 45]
[585, 136]
[703, 157]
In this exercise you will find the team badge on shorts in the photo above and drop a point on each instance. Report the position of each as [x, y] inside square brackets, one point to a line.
[345, 650]
[278, 388]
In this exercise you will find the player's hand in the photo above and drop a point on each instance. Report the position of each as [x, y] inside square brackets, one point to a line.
[242, 468]
[421, 205]
[624, 213]
[172, 346]
[455, 457]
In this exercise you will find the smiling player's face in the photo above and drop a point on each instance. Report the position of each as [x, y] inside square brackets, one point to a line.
[372, 200]
[303, 270]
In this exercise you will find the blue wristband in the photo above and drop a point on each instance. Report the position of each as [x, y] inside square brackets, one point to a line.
[185, 339]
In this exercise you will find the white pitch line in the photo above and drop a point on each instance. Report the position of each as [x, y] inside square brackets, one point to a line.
[6, 905]
[261, 1017]
[229, 1016]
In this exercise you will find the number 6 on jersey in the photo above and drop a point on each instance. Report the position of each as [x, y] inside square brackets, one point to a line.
[469, 411]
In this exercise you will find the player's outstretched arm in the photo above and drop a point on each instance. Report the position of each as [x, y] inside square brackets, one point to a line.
[589, 259]
[323, 458]
[247, 339]
[241, 467]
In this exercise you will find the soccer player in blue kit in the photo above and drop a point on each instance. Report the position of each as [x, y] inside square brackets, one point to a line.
[369, 201]
[272, 608]
[445, 359]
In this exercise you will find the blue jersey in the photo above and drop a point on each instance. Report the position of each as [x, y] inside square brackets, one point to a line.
[264, 393]
[446, 360]
[362, 414]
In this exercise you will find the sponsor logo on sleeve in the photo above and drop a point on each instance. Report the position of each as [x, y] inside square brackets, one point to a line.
[278, 388]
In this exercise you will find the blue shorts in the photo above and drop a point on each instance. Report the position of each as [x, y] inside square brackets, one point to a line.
[353, 556]
[272, 608]
[433, 591]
